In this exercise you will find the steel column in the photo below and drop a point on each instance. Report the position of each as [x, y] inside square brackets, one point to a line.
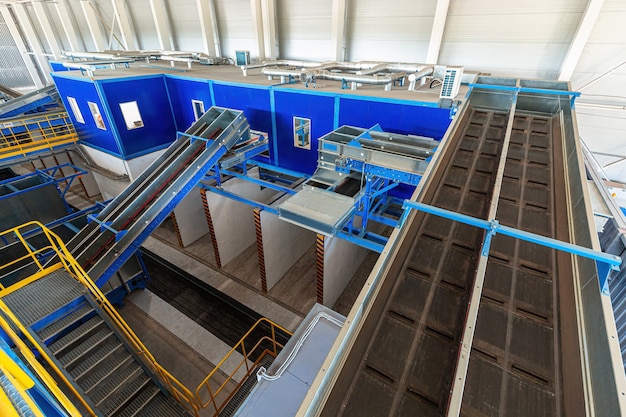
[162, 23]
[31, 37]
[208, 27]
[93, 24]
[436, 33]
[592, 11]
[126, 30]
[338, 28]
[68, 24]
[44, 23]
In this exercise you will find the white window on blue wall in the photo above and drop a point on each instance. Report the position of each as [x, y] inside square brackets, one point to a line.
[97, 116]
[131, 114]
[74, 106]
[302, 132]
[198, 108]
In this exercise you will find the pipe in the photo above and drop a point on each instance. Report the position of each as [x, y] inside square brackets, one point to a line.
[283, 72]
[360, 79]
[280, 63]
[419, 76]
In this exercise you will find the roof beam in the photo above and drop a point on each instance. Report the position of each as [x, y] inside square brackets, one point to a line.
[75, 42]
[44, 23]
[270, 33]
[162, 23]
[21, 46]
[31, 37]
[123, 22]
[94, 26]
[436, 33]
[208, 27]
[257, 22]
[338, 27]
[580, 39]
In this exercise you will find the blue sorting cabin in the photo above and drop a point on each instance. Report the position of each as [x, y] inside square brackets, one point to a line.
[130, 112]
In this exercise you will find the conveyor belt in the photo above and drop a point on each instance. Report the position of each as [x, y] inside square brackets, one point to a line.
[404, 360]
[102, 246]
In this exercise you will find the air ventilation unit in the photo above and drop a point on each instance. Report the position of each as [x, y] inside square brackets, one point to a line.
[451, 82]
[242, 57]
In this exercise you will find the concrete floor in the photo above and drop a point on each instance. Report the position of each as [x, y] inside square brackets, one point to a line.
[295, 291]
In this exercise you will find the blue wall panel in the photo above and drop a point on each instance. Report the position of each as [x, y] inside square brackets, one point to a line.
[319, 108]
[181, 92]
[398, 117]
[84, 90]
[254, 102]
[57, 66]
[158, 129]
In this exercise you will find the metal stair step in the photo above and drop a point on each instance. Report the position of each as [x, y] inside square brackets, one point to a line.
[138, 406]
[76, 337]
[104, 369]
[125, 395]
[118, 382]
[100, 364]
[70, 359]
[61, 325]
[44, 296]
[163, 406]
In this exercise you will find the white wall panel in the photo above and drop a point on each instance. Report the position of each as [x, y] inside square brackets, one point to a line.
[396, 30]
[143, 22]
[184, 14]
[304, 30]
[236, 30]
[525, 39]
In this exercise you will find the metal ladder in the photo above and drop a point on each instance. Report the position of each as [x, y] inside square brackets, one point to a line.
[88, 349]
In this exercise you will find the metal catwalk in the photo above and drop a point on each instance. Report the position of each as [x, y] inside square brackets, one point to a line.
[525, 356]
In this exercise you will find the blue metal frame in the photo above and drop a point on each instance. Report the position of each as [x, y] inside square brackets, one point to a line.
[47, 176]
[604, 262]
[239, 198]
[517, 90]
[217, 149]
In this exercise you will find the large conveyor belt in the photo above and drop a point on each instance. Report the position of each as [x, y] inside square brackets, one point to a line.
[103, 245]
[404, 359]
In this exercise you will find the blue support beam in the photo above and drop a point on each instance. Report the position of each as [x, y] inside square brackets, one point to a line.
[604, 261]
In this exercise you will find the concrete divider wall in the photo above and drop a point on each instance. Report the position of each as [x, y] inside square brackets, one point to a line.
[234, 221]
[341, 261]
[190, 219]
[283, 245]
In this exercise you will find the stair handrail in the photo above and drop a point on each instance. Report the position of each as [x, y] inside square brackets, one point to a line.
[250, 366]
[40, 133]
[181, 393]
[67, 262]
[45, 377]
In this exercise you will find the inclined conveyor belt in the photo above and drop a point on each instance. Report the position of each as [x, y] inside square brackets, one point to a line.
[106, 243]
[525, 358]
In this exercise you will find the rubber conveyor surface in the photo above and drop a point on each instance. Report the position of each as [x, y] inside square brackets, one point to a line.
[408, 357]
[150, 198]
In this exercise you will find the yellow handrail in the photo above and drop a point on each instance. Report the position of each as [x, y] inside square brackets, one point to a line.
[205, 384]
[191, 401]
[19, 137]
[44, 376]
[67, 261]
